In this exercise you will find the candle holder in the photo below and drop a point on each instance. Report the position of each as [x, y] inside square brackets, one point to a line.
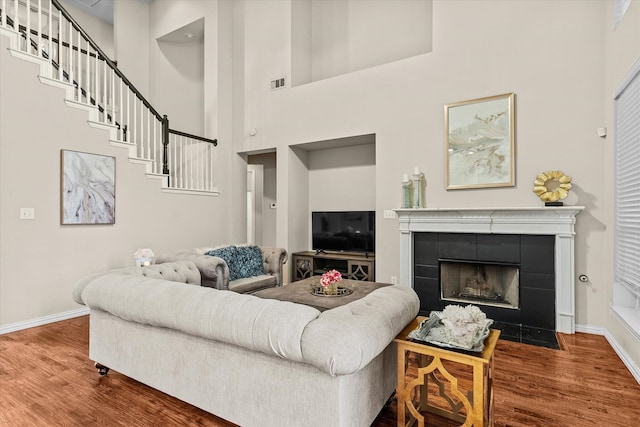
[406, 192]
[418, 198]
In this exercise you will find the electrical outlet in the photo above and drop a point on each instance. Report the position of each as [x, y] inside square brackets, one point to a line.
[27, 213]
[278, 83]
[394, 280]
[389, 214]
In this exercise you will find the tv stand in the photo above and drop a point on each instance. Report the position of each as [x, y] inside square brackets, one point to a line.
[352, 265]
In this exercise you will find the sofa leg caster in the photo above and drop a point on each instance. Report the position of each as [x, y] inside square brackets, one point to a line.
[102, 370]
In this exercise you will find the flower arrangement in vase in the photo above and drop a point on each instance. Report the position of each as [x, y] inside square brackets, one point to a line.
[143, 257]
[329, 282]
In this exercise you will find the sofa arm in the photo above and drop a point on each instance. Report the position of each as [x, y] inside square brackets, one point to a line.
[273, 261]
[214, 270]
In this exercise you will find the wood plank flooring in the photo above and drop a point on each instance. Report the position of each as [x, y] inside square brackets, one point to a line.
[46, 379]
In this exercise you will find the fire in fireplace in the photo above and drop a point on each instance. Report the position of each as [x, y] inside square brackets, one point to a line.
[494, 284]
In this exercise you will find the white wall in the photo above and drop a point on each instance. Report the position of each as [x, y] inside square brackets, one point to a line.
[343, 179]
[180, 72]
[131, 28]
[100, 32]
[353, 35]
[40, 260]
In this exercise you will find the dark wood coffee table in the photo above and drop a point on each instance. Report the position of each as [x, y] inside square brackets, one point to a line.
[300, 292]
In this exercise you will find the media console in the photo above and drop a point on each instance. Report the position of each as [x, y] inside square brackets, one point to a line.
[354, 266]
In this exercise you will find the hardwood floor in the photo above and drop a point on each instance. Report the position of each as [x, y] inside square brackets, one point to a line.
[46, 379]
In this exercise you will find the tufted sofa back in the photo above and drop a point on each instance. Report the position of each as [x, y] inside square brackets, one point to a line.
[179, 271]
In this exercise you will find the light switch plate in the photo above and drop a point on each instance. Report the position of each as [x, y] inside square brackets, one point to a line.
[27, 213]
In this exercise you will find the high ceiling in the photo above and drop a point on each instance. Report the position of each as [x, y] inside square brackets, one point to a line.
[101, 9]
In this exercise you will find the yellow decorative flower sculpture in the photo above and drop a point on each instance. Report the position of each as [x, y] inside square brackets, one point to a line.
[552, 186]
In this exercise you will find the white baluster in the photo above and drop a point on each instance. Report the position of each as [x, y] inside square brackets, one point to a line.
[210, 168]
[156, 166]
[148, 141]
[96, 75]
[129, 113]
[87, 66]
[200, 165]
[39, 28]
[27, 47]
[104, 90]
[180, 162]
[50, 31]
[79, 62]
[174, 168]
[69, 54]
[142, 141]
[16, 20]
[60, 72]
[112, 103]
[121, 115]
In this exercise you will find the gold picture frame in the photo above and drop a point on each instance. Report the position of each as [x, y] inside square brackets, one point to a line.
[87, 188]
[480, 142]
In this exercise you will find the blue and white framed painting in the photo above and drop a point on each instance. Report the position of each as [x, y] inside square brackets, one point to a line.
[87, 188]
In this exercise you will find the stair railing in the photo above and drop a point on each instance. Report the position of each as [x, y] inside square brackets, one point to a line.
[47, 31]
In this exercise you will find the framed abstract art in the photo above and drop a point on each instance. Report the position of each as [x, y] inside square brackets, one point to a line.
[87, 188]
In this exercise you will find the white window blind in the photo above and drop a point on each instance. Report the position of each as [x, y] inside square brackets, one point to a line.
[627, 187]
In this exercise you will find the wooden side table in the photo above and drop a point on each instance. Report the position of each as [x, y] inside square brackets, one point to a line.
[475, 408]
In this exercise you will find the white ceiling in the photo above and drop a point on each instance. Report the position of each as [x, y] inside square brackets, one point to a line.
[101, 9]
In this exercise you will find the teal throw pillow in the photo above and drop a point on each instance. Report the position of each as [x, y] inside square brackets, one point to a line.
[248, 261]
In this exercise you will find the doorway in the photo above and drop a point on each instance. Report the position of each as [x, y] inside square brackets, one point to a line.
[261, 199]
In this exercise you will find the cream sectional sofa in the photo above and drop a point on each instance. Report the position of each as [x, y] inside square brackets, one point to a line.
[252, 361]
[216, 274]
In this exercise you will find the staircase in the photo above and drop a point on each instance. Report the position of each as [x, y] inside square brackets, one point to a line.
[43, 32]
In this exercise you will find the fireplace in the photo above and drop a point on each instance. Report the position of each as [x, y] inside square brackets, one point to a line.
[492, 284]
[536, 245]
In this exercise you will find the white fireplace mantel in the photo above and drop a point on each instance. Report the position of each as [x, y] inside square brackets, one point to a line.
[558, 221]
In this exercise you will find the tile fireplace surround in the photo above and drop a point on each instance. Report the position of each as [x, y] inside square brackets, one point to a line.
[556, 221]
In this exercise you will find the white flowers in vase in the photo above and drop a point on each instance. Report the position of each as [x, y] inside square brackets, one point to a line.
[143, 257]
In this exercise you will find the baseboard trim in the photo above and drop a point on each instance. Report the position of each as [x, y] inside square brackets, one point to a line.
[622, 354]
[590, 329]
[31, 323]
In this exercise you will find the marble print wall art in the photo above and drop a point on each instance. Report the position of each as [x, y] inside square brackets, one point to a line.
[480, 143]
[88, 184]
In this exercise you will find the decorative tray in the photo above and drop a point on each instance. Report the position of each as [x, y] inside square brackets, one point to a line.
[432, 331]
[340, 292]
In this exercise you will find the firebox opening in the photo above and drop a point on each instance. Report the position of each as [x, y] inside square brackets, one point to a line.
[471, 282]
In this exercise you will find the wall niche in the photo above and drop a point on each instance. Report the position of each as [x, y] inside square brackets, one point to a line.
[330, 38]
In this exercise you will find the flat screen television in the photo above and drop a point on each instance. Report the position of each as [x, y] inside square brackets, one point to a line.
[344, 231]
